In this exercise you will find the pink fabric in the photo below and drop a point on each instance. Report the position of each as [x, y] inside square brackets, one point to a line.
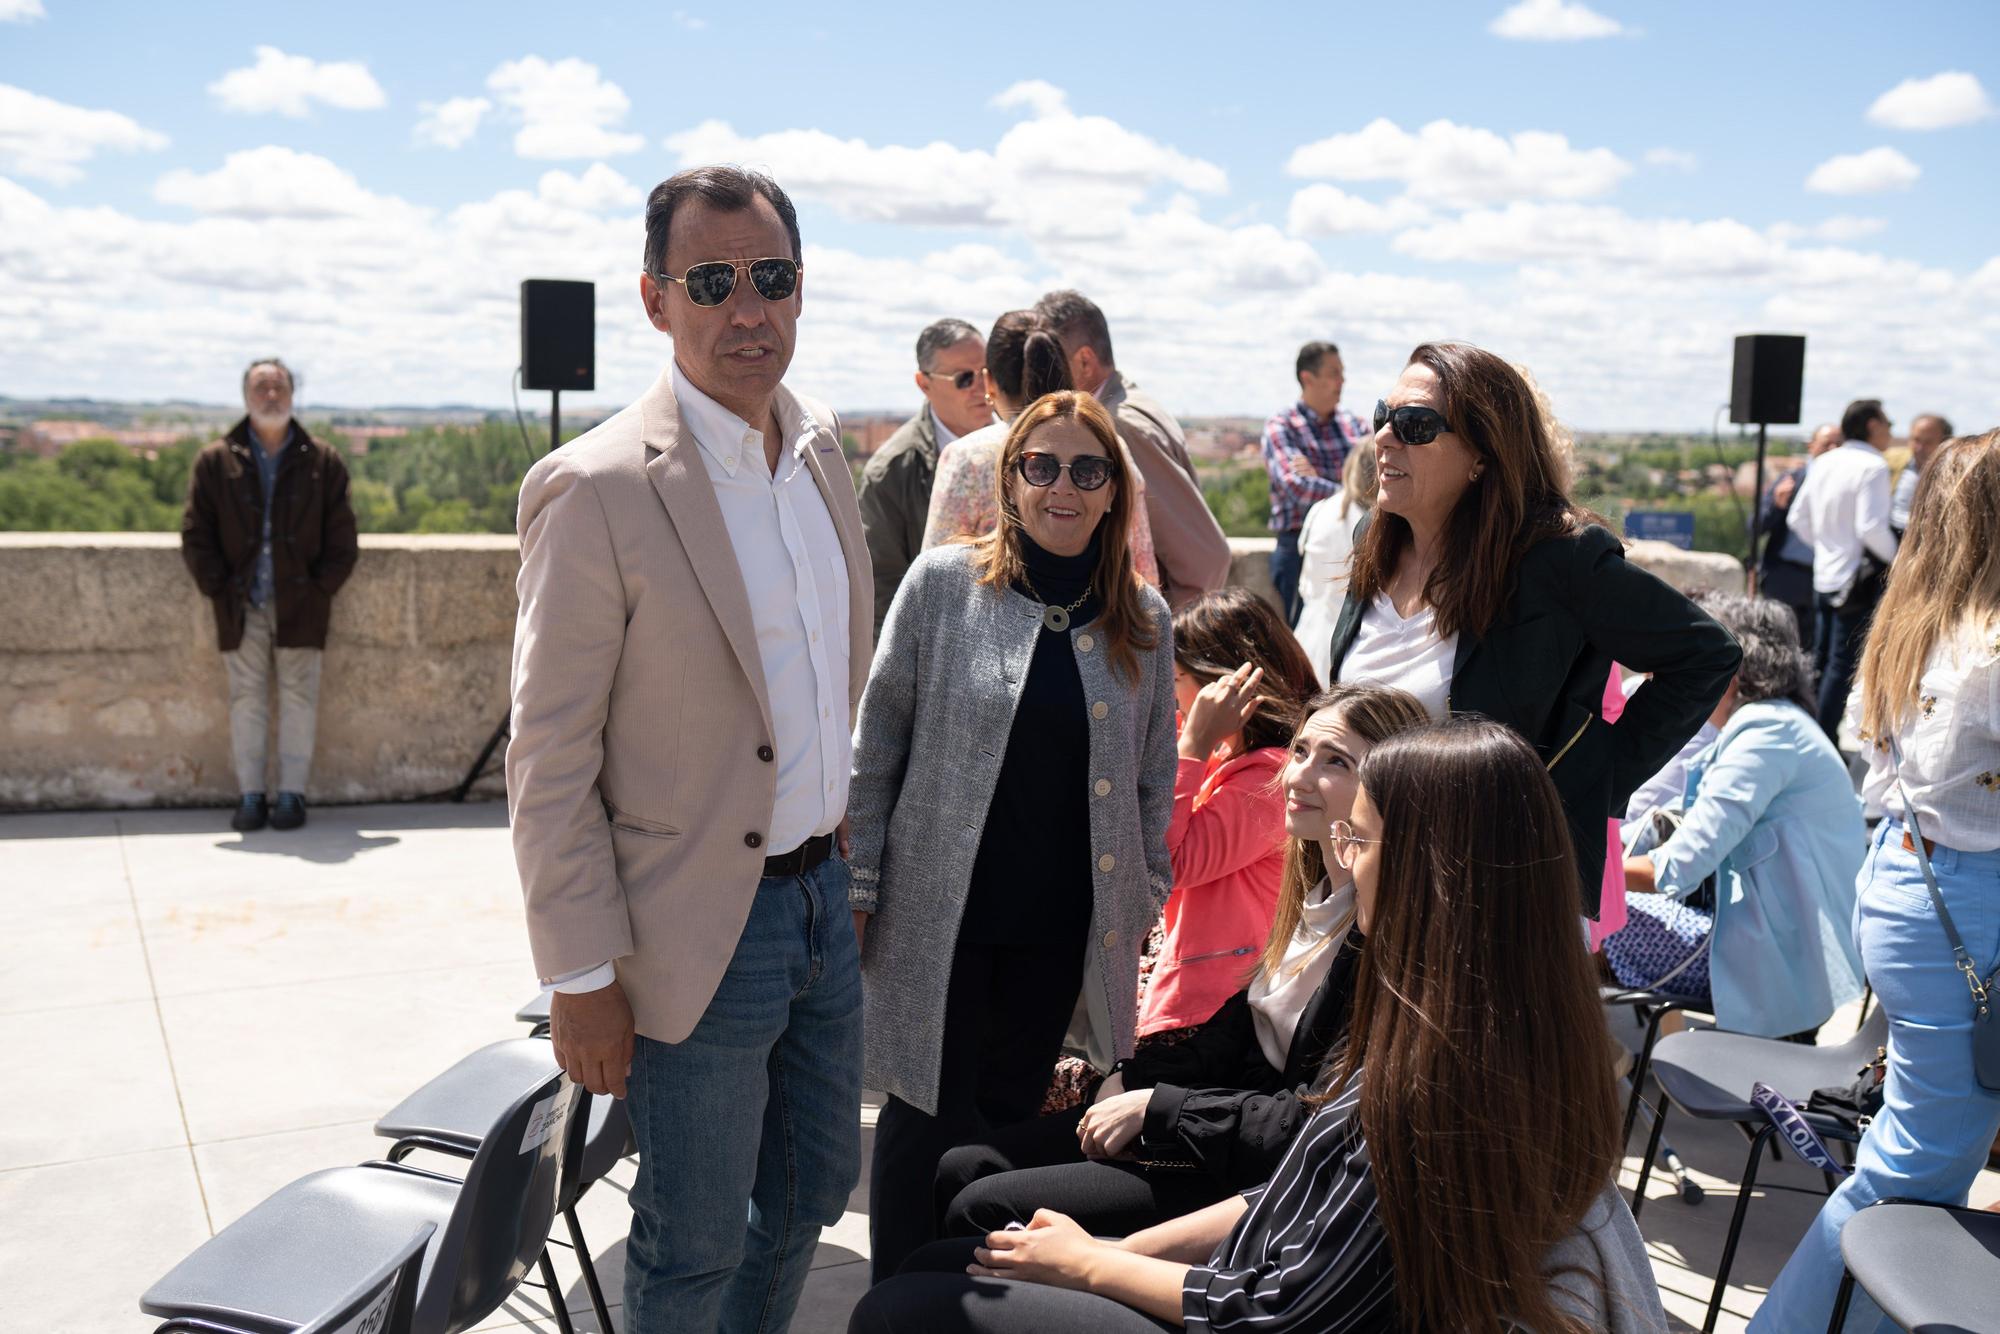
[1227, 839]
[1611, 901]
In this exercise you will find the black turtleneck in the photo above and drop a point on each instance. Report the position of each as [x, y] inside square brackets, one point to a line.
[1032, 874]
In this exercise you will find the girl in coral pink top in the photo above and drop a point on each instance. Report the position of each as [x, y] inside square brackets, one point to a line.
[1240, 679]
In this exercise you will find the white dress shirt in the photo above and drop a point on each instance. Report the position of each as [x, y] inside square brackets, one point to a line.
[1950, 745]
[796, 576]
[1841, 510]
[1326, 548]
[1404, 652]
[944, 434]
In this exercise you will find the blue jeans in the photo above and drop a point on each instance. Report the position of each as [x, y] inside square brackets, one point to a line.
[1286, 565]
[749, 1130]
[1936, 1123]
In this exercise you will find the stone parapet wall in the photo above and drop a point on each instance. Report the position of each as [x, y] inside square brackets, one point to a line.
[112, 692]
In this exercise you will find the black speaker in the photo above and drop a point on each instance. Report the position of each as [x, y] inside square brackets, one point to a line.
[558, 334]
[1769, 376]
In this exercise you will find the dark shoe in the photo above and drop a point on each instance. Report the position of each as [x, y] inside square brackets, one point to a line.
[251, 814]
[290, 812]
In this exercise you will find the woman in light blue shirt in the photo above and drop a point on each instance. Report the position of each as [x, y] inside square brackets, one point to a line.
[1749, 904]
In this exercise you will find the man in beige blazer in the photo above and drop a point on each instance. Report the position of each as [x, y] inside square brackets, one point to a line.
[694, 633]
[1187, 541]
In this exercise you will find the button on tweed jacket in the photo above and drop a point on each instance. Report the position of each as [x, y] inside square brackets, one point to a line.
[932, 732]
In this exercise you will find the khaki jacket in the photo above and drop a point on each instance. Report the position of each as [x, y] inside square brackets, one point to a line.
[1192, 550]
[640, 779]
[895, 498]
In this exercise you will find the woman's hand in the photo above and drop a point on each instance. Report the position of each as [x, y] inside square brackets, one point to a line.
[1111, 1124]
[1052, 1249]
[1110, 1086]
[1640, 876]
[1219, 711]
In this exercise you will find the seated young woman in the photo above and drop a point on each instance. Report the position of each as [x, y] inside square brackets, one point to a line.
[1179, 1126]
[1455, 1172]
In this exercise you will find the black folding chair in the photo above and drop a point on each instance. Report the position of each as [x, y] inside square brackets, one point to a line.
[1930, 1267]
[451, 1114]
[1650, 1008]
[536, 1014]
[383, 1303]
[1708, 1074]
[303, 1250]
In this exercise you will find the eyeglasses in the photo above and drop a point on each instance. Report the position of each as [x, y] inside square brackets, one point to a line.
[1088, 471]
[1413, 425]
[711, 283]
[962, 381]
[1347, 844]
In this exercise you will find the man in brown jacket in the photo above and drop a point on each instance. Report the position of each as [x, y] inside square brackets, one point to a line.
[269, 536]
[1189, 543]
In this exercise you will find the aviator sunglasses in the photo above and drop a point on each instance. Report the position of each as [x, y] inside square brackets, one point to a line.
[962, 381]
[711, 283]
[1088, 471]
[1412, 425]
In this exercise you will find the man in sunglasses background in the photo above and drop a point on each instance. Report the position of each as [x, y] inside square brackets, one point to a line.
[692, 641]
[1305, 447]
[1189, 544]
[896, 482]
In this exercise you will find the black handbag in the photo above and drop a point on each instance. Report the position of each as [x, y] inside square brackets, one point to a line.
[1985, 1028]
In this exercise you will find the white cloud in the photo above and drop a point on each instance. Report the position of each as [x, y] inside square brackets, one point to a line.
[1553, 21]
[268, 182]
[1938, 103]
[1526, 231]
[1326, 210]
[21, 11]
[691, 22]
[1844, 227]
[451, 123]
[1461, 165]
[289, 85]
[567, 108]
[1677, 158]
[44, 138]
[1037, 95]
[598, 189]
[1869, 173]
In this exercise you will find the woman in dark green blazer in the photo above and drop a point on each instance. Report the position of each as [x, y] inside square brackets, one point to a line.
[1479, 586]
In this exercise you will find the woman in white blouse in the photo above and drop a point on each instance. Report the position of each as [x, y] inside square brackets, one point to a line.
[1326, 544]
[1930, 715]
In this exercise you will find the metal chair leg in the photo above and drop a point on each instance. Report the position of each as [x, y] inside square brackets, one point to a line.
[1646, 1167]
[558, 1304]
[1736, 1227]
[1655, 1015]
[1840, 1301]
[589, 1268]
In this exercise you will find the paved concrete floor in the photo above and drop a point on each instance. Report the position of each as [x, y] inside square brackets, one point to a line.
[195, 1017]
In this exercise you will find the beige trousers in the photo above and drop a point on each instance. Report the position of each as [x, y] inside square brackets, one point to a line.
[251, 666]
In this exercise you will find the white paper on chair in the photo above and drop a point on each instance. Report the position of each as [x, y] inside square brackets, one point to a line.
[543, 1122]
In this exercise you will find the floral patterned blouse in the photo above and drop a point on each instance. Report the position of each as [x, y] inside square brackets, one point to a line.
[965, 500]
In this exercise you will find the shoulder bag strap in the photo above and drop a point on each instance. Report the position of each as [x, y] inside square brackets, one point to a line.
[1958, 954]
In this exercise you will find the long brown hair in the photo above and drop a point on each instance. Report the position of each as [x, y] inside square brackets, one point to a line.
[1520, 497]
[1220, 631]
[1126, 627]
[1486, 1101]
[1947, 574]
[1373, 713]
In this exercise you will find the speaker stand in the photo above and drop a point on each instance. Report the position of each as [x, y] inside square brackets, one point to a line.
[1756, 514]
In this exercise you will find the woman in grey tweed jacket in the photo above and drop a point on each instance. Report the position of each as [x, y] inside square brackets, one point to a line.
[976, 858]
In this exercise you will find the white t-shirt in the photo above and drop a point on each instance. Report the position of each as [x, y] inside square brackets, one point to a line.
[1326, 546]
[1276, 1004]
[1406, 653]
[1950, 745]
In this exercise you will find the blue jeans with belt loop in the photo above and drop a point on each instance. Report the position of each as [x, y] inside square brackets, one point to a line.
[749, 1130]
[1936, 1124]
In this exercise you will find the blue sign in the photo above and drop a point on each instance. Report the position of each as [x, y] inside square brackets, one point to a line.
[1674, 527]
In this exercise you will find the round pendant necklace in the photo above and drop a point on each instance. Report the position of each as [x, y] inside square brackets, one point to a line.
[1053, 617]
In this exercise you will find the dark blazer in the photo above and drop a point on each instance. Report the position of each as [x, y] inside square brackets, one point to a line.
[1578, 606]
[895, 495]
[313, 546]
[1217, 1104]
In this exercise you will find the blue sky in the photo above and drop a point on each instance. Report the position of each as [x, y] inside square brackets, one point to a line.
[1228, 181]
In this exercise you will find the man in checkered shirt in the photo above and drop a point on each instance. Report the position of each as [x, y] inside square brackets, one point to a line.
[1305, 447]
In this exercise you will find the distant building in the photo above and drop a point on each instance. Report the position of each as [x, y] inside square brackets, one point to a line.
[48, 438]
[870, 433]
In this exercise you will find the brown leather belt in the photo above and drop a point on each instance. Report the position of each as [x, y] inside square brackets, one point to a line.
[801, 859]
[1930, 848]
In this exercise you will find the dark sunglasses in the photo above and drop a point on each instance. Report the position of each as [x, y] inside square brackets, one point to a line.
[1412, 425]
[1087, 471]
[962, 381]
[711, 283]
